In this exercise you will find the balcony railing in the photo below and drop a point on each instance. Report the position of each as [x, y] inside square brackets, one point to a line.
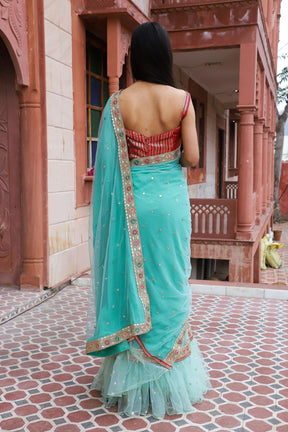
[231, 189]
[213, 218]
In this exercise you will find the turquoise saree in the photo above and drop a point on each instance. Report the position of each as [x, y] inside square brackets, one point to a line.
[139, 299]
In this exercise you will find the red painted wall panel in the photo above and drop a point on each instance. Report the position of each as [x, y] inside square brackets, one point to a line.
[283, 189]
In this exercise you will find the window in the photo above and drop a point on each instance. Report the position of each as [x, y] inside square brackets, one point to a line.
[199, 99]
[97, 91]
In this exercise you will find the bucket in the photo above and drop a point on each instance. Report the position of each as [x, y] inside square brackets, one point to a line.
[277, 235]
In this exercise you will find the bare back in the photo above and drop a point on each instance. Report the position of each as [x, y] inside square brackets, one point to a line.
[151, 109]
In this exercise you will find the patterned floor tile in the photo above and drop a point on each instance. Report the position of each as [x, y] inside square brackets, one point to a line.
[45, 374]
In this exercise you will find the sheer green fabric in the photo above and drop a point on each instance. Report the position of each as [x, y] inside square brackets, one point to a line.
[140, 263]
[114, 306]
[139, 386]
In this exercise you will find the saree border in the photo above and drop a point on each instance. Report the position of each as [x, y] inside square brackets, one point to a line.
[130, 211]
[157, 159]
[180, 352]
[134, 329]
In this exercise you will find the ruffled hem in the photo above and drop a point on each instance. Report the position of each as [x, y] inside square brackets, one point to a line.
[140, 386]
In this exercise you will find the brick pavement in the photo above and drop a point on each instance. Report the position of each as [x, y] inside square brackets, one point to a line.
[45, 374]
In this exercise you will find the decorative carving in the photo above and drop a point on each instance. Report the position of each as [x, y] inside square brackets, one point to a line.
[213, 218]
[4, 186]
[231, 189]
[100, 4]
[258, 86]
[13, 25]
[13, 11]
[125, 44]
[127, 7]
[170, 5]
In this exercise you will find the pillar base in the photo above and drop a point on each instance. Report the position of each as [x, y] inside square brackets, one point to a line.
[244, 235]
[258, 219]
[30, 282]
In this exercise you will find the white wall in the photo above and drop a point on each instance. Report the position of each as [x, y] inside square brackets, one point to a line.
[143, 5]
[68, 226]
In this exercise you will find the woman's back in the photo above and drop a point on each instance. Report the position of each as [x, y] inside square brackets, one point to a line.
[151, 109]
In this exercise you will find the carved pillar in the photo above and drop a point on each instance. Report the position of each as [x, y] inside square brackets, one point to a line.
[276, 33]
[271, 162]
[118, 41]
[247, 108]
[269, 19]
[34, 157]
[265, 7]
[264, 169]
[268, 173]
[245, 213]
[258, 149]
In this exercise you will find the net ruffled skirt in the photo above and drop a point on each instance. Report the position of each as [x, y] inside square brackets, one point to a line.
[132, 378]
[140, 386]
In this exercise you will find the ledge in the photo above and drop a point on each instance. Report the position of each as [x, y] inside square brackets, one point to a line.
[88, 178]
[238, 289]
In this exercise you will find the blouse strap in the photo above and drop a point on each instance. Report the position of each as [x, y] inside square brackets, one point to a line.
[186, 106]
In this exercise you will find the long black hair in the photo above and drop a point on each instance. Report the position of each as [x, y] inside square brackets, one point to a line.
[151, 54]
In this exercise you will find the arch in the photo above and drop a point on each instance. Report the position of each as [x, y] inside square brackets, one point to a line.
[13, 33]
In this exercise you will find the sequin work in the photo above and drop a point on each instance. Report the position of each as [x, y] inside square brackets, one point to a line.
[150, 205]
[142, 264]
[130, 208]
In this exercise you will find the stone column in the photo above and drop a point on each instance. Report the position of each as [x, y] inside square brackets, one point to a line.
[271, 136]
[34, 156]
[264, 169]
[32, 185]
[118, 42]
[268, 174]
[245, 210]
[258, 150]
[113, 53]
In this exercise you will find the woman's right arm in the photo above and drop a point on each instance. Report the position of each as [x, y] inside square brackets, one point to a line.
[190, 154]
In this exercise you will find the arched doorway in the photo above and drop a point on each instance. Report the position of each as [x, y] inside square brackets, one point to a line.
[10, 174]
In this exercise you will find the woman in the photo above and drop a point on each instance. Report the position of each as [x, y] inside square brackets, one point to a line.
[140, 298]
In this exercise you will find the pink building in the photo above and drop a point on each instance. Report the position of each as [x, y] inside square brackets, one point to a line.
[54, 81]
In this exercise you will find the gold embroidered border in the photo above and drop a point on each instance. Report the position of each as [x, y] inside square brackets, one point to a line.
[179, 352]
[130, 208]
[115, 338]
[134, 236]
[157, 159]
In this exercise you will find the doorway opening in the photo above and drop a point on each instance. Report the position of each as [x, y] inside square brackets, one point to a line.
[10, 174]
[220, 166]
[210, 269]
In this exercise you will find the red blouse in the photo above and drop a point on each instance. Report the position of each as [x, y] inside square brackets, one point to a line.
[142, 146]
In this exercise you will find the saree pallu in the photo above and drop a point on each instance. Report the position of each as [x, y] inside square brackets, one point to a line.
[140, 299]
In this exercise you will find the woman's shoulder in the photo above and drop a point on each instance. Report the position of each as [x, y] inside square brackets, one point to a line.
[153, 88]
[175, 94]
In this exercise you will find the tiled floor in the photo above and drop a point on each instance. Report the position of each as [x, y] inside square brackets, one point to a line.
[278, 276]
[45, 374]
